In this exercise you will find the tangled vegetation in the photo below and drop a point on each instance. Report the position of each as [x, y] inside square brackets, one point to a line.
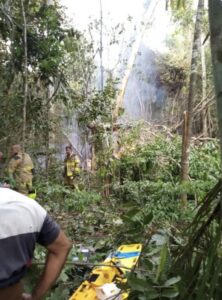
[147, 177]
[48, 71]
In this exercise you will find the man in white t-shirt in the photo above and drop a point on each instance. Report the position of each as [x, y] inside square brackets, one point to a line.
[23, 223]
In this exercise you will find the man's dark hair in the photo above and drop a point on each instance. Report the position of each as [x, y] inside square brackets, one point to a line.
[69, 147]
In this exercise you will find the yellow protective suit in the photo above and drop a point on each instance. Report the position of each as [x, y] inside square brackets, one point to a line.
[20, 169]
[71, 170]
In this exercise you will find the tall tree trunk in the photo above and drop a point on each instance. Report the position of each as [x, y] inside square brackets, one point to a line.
[190, 102]
[47, 131]
[25, 76]
[215, 19]
[204, 89]
[101, 48]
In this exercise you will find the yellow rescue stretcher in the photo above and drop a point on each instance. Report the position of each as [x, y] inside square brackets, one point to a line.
[102, 281]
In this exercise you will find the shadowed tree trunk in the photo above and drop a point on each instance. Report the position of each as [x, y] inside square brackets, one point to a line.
[215, 19]
[205, 110]
[47, 131]
[190, 102]
[25, 75]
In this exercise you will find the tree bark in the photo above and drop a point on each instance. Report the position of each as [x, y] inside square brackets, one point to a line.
[190, 102]
[204, 90]
[25, 76]
[47, 132]
[215, 20]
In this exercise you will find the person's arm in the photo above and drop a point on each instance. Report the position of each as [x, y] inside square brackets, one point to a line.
[13, 164]
[64, 169]
[77, 166]
[56, 257]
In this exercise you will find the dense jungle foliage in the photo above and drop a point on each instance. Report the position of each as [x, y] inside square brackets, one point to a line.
[146, 176]
[132, 191]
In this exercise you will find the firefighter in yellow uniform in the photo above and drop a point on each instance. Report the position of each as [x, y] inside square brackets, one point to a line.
[20, 170]
[71, 168]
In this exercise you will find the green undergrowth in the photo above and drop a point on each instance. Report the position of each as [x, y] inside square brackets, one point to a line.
[150, 176]
[142, 206]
